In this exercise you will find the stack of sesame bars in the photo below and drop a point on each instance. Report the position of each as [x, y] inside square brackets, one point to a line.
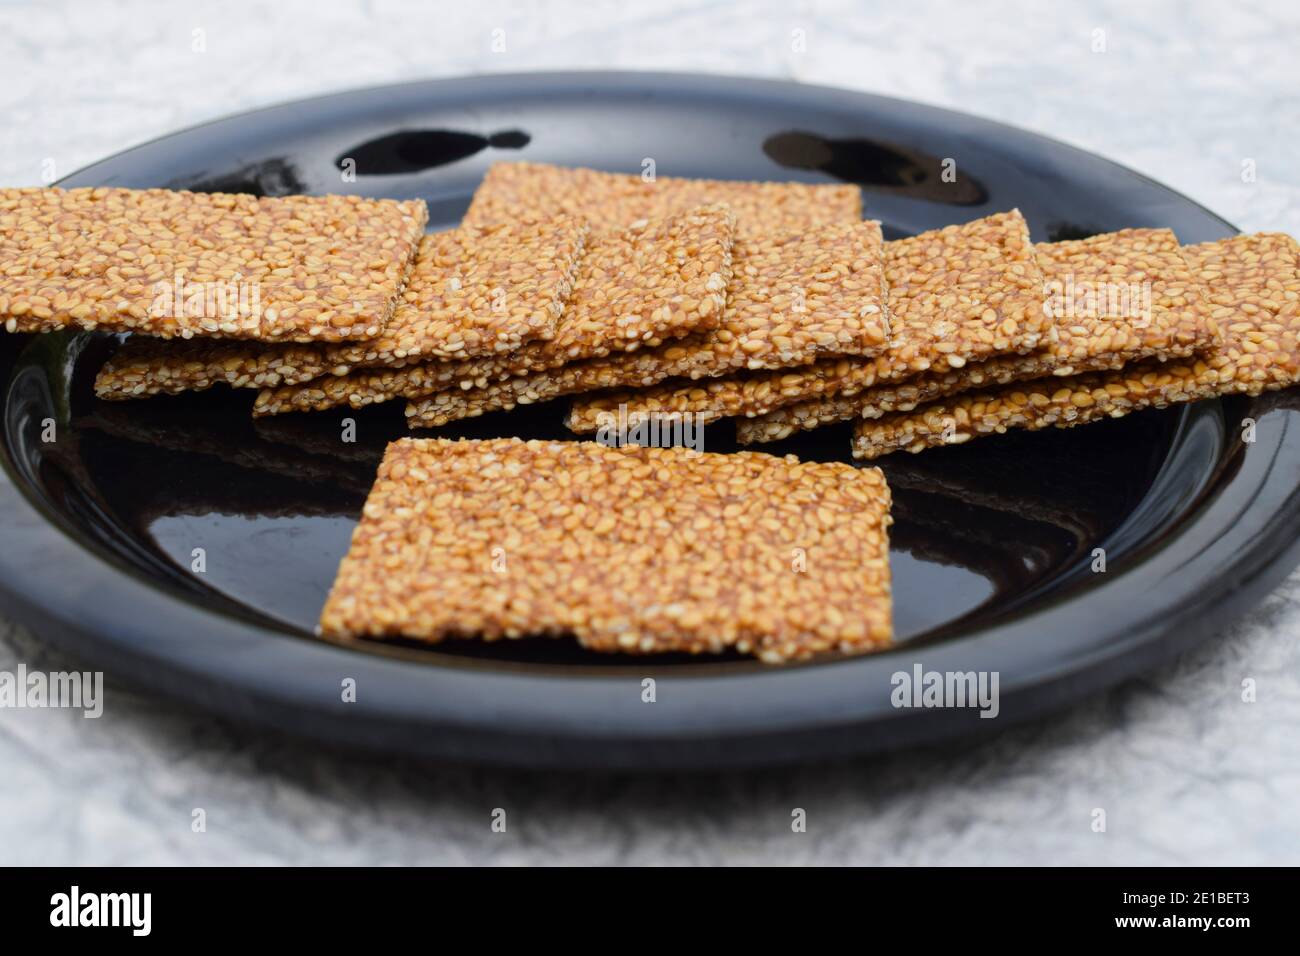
[774, 303]
[571, 277]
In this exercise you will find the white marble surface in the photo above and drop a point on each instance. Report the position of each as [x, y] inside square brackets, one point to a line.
[1185, 770]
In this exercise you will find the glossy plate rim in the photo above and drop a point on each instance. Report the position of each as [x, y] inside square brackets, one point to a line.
[1228, 552]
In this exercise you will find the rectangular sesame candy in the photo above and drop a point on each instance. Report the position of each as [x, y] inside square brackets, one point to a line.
[368, 386]
[1115, 298]
[453, 404]
[657, 280]
[1253, 285]
[616, 200]
[181, 264]
[144, 366]
[954, 295]
[629, 549]
[478, 292]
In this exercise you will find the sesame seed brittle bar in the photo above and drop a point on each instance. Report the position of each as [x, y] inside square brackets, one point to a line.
[1253, 284]
[478, 291]
[791, 298]
[1115, 298]
[626, 549]
[657, 280]
[616, 200]
[144, 366]
[177, 264]
[955, 296]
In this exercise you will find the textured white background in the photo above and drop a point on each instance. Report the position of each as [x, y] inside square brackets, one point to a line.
[1184, 769]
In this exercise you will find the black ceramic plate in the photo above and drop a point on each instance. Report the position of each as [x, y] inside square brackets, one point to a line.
[992, 544]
